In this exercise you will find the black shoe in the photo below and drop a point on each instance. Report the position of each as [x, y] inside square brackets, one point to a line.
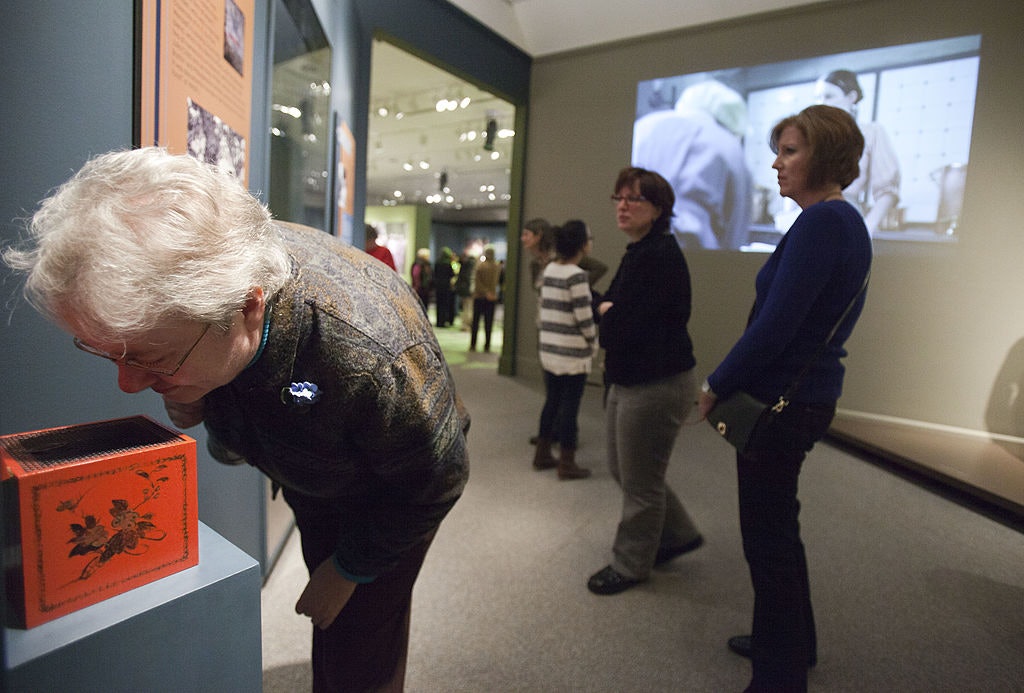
[741, 645]
[667, 553]
[610, 581]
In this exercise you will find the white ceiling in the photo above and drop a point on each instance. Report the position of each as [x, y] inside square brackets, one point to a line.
[538, 27]
[542, 27]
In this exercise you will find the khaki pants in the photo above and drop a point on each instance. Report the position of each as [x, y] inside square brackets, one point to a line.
[642, 423]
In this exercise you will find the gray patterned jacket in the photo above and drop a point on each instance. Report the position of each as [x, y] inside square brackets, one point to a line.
[382, 452]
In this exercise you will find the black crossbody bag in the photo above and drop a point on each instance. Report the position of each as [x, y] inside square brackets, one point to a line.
[744, 421]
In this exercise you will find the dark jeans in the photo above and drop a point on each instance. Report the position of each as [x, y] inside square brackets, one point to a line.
[445, 300]
[482, 308]
[559, 417]
[784, 640]
[365, 648]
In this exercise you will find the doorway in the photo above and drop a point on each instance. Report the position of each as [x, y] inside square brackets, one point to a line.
[439, 168]
[435, 138]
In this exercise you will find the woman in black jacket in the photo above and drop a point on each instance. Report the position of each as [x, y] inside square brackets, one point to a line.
[649, 369]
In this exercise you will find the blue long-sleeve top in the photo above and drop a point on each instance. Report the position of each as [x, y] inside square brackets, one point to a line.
[802, 290]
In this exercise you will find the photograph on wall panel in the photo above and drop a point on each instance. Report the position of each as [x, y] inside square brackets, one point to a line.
[194, 79]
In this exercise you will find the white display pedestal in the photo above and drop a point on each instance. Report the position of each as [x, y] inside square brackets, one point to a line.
[197, 630]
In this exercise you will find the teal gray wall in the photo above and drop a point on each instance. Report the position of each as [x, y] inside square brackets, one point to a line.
[66, 95]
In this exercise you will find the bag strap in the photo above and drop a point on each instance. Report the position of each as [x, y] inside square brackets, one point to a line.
[784, 398]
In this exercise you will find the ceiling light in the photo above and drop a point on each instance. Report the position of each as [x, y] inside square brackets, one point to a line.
[382, 111]
[495, 155]
[424, 165]
[287, 110]
[407, 166]
[465, 102]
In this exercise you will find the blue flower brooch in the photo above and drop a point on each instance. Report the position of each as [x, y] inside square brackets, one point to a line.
[300, 395]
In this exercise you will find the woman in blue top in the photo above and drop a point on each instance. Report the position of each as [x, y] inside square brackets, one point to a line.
[802, 291]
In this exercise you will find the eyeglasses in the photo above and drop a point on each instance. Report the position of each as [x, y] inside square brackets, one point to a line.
[629, 199]
[132, 363]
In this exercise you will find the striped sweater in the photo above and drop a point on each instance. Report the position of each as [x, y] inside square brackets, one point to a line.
[568, 336]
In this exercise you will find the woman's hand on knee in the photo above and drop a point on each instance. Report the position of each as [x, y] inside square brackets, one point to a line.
[326, 594]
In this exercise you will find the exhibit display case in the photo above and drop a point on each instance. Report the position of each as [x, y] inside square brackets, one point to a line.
[94, 510]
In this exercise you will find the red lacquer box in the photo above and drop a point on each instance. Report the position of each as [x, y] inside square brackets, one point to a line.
[94, 510]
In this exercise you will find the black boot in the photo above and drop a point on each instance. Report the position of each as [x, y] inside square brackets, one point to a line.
[567, 468]
[542, 458]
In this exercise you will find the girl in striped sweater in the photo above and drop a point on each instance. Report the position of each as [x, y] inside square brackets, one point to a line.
[568, 342]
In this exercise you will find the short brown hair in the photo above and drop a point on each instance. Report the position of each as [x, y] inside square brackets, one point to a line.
[655, 190]
[835, 140]
[542, 228]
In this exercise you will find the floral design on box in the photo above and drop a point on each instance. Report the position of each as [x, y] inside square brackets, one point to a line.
[129, 530]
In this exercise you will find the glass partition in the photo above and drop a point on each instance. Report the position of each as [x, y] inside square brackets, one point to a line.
[300, 142]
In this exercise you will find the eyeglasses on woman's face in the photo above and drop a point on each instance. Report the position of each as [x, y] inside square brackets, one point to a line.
[140, 365]
[628, 199]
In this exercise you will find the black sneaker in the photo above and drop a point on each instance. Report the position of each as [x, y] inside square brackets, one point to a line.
[667, 553]
[610, 581]
[741, 645]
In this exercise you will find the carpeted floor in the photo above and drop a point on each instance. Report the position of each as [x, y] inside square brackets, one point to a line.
[912, 591]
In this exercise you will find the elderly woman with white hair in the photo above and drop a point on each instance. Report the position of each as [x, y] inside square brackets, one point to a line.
[301, 355]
